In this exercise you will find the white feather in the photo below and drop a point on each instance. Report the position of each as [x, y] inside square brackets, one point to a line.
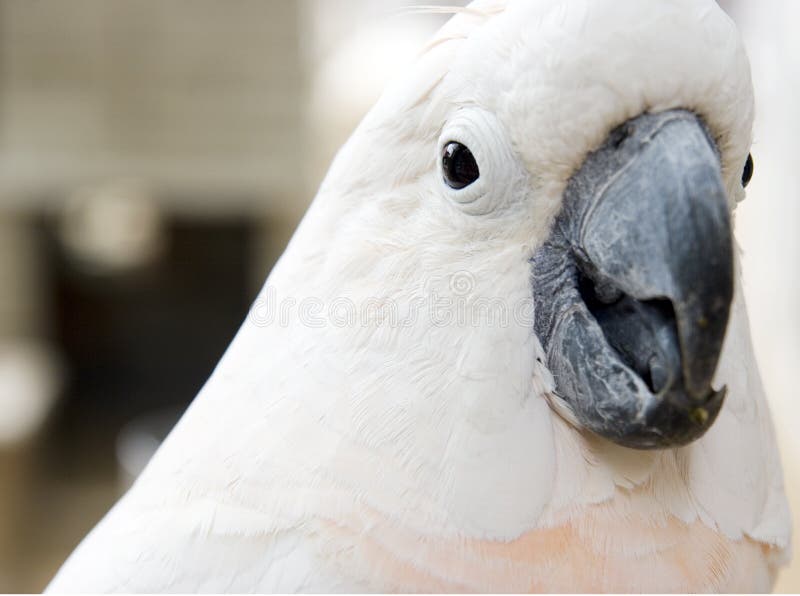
[319, 443]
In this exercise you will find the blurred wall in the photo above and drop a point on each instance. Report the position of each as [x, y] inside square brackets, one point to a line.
[151, 171]
[190, 96]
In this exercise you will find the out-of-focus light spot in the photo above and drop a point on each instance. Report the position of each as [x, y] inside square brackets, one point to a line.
[30, 378]
[353, 77]
[351, 63]
[139, 440]
[112, 228]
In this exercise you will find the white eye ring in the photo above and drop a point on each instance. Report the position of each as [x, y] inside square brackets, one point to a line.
[483, 135]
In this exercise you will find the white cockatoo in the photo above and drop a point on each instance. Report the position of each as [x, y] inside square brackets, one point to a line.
[492, 358]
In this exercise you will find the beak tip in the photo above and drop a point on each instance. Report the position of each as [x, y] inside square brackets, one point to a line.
[699, 416]
[673, 423]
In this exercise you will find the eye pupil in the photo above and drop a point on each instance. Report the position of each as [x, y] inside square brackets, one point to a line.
[747, 175]
[458, 166]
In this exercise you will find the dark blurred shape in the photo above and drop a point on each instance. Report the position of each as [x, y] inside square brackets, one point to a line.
[136, 344]
[142, 340]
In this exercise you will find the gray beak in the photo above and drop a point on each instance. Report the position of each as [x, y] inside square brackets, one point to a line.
[633, 289]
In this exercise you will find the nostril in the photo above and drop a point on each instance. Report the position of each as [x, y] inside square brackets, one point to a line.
[619, 135]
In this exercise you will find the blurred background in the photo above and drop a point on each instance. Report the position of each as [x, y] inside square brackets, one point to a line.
[155, 157]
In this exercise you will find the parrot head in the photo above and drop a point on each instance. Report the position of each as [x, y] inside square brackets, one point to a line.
[592, 150]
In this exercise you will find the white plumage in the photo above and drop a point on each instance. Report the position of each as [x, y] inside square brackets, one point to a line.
[421, 453]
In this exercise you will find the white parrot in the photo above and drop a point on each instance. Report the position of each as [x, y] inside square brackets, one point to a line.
[488, 358]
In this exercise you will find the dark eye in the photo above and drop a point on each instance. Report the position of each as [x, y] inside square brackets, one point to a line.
[747, 175]
[458, 166]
